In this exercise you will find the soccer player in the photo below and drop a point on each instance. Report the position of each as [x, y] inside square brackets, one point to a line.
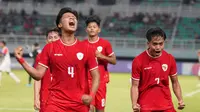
[41, 87]
[5, 62]
[198, 74]
[35, 51]
[104, 53]
[68, 60]
[150, 77]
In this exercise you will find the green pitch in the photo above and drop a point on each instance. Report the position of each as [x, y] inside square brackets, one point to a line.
[19, 98]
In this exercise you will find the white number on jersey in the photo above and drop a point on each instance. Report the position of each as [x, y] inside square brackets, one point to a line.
[103, 102]
[71, 71]
[158, 80]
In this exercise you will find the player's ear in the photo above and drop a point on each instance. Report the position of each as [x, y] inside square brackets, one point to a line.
[99, 30]
[59, 25]
[86, 30]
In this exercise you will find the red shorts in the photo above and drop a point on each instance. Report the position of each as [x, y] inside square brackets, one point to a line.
[168, 110]
[107, 77]
[42, 106]
[100, 97]
[54, 108]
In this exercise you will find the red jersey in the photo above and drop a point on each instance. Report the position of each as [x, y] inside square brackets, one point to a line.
[45, 82]
[69, 65]
[153, 73]
[104, 47]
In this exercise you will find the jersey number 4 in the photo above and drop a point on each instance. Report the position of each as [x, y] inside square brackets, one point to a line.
[157, 80]
[71, 71]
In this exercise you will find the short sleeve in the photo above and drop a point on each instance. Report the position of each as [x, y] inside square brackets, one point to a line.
[173, 68]
[136, 69]
[109, 50]
[36, 61]
[91, 60]
[44, 57]
[5, 51]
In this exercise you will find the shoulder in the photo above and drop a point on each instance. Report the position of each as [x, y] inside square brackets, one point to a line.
[139, 58]
[102, 40]
[166, 54]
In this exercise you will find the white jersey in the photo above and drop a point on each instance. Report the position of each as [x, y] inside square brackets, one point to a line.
[5, 60]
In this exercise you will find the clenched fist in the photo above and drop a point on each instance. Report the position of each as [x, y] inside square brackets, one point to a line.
[18, 52]
[87, 99]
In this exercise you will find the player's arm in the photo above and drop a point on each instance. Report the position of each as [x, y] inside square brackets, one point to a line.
[110, 56]
[37, 73]
[134, 92]
[37, 87]
[175, 83]
[95, 80]
[110, 59]
[176, 87]
[136, 70]
[3, 53]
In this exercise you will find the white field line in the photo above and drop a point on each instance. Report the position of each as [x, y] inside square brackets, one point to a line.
[192, 93]
[17, 109]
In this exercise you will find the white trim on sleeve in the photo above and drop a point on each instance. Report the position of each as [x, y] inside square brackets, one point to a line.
[111, 54]
[135, 78]
[174, 74]
[43, 65]
[93, 68]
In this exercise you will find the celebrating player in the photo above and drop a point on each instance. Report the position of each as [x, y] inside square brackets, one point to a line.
[150, 77]
[68, 60]
[5, 62]
[103, 50]
[41, 87]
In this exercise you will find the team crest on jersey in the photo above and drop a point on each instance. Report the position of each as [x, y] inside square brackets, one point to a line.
[99, 48]
[164, 67]
[80, 55]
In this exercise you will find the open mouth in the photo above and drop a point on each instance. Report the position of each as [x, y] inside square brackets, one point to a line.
[157, 51]
[71, 23]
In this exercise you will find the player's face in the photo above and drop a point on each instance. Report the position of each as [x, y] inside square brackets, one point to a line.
[156, 45]
[52, 36]
[68, 22]
[92, 29]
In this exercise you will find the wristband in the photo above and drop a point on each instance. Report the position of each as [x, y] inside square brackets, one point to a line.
[21, 60]
[92, 94]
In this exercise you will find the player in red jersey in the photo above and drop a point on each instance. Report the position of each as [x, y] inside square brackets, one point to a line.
[150, 77]
[104, 53]
[68, 60]
[41, 87]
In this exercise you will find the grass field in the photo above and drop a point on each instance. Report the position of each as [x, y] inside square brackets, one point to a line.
[19, 98]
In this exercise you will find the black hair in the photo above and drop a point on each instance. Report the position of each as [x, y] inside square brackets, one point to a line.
[152, 32]
[36, 44]
[3, 42]
[53, 30]
[63, 11]
[93, 18]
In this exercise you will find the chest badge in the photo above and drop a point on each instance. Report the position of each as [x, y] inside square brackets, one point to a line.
[164, 67]
[99, 48]
[80, 55]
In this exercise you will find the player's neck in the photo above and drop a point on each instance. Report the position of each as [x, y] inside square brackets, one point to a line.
[93, 39]
[68, 38]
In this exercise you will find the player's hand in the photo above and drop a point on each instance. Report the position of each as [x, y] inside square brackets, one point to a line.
[87, 99]
[181, 105]
[18, 52]
[98, 54]
[136, 108]
[37, 104]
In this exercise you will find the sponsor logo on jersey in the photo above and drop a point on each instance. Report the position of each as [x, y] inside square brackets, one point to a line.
[147, 68]
[58, 54]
